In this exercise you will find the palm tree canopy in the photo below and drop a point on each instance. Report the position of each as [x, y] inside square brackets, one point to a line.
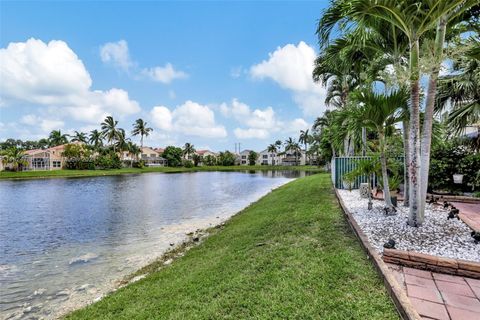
[140, 128]
[188, 149]
[79, 137]
[56, 138]
[109, 129]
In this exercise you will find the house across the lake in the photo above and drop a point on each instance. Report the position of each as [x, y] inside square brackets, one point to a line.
[44, 159]
[152, 157]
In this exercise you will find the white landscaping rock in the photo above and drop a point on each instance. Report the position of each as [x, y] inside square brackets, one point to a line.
[437, 236]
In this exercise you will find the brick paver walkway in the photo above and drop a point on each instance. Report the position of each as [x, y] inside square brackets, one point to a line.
[440, 296]
[469, 213]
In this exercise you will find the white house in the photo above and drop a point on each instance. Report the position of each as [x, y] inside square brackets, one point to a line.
[266, 158]
[243, 157]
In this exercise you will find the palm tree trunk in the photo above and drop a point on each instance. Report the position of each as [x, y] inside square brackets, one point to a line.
[406, 157]
[364, 141]
[415, 218]
[141, 141]
[383, 163]
[429, 106]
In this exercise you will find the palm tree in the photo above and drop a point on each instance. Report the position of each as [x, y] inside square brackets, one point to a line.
[461, 90]
[305, 139]
[272, 148]
[278, 143]
[15, 157]
[133, 149]
[121, 141]
[380, 112]
[56, 138]
[79, 137]
[188, 149]
[95, 138]
[140, 128]
[416, 20]
[293, 146]
[109, 130]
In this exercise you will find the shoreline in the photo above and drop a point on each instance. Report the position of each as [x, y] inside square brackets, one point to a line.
[193, 234]
[34, 175]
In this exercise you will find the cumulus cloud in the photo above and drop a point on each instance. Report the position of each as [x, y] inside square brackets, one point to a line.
[258, 123]
[117, 54]
[291, 67]
[46, 125]
[164, 74]
[51, 75]
[190, 118]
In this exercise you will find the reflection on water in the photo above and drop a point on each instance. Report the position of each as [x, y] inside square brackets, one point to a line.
[64, 242]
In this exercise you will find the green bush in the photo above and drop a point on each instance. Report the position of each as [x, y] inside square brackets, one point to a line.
[451, 158]
[173, 156]
[108, 161]
[188, 164]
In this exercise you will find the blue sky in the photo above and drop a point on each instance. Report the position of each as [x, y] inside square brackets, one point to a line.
[209, 73]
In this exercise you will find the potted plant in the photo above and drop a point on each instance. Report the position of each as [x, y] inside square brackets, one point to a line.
[348, 181]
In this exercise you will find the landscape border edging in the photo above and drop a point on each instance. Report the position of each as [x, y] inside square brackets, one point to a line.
[399, 297]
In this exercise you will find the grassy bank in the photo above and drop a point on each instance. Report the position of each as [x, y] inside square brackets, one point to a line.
[92, 173]
[291, 255]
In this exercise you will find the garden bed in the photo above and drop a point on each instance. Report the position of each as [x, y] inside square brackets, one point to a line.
[438, 236]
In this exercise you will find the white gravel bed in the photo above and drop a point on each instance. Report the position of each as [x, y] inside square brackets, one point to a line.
[437, 236]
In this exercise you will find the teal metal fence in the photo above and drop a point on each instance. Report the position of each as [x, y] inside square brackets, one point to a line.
[343, 165]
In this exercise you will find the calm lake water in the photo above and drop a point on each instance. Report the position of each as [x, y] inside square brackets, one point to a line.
[65, 242]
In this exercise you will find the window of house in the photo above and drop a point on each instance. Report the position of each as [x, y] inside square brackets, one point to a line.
[265, 156]
[56, 164]
[244, 157]
[144, 155]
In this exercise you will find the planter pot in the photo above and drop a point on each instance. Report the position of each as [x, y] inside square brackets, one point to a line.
[458, 178]
[347, 185]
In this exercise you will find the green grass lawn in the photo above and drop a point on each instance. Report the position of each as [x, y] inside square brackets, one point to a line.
[91, 173]
[291, 255]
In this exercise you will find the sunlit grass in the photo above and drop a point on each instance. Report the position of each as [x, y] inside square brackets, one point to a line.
[291, 255]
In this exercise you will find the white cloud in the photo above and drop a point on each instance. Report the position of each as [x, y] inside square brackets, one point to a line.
[51, 75]
[251, 133]
[164, 74]
[46, 125]
[117, 54]
[162, 117]
[291, 67]
[259, 123]
[190, 118]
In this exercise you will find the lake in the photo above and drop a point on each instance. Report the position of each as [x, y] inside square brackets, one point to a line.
[65, 242]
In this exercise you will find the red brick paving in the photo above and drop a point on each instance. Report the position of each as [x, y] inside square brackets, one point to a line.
[469, 213]
[440, 296]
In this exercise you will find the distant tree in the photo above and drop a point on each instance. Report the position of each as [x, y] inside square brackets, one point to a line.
[121, 141]
[95, 139]
[77, 156]
[210, 160]
[226, 158]
[79, 137]
[188, 149]
[15, 157]
[109, 130]
[293, 146]
[278, 143]
[252, 158]
[196, 159]
[173, 155]
[140, 128]
[56, 138]
[133, 149]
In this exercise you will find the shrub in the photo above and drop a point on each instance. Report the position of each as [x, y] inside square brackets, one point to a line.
[108, 161]
[188, 164]
[173, 156]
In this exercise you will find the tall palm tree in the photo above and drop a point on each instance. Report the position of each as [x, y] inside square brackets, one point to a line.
[293, 146]
[121, 143]
[140, 128]
[15, 157]
[188, 149]
[57, 138]
[79, 137]
[96, 139]
[272, 148]
[109, 130]
[133, 149]
[305, 139]
[416, 19]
